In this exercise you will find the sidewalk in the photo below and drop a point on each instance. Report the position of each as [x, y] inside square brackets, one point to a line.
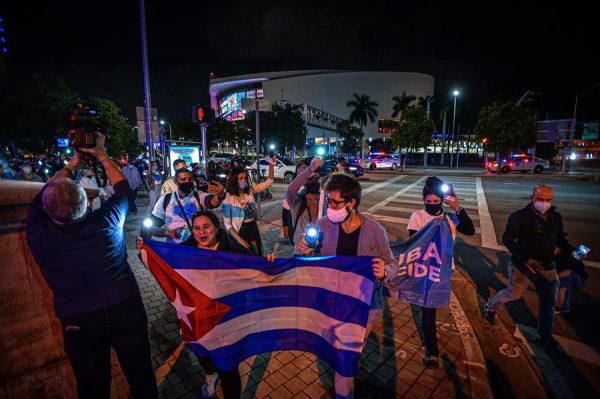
[390, 365]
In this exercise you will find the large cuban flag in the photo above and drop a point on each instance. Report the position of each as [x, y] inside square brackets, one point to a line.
[232, 306]
[425, 266]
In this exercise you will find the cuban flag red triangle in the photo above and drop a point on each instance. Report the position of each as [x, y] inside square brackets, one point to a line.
[197, 312]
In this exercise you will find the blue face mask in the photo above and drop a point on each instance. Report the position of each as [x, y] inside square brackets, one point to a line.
[155, 167]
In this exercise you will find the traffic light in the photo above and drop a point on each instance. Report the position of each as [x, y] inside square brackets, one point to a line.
[202, 114]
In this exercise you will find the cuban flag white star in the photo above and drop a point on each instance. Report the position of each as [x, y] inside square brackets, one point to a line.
[182, 310]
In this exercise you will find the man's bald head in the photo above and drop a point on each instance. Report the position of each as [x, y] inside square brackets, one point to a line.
[542, 193]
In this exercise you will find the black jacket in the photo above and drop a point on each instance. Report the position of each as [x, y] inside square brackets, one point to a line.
[226, 243]
[528, 235]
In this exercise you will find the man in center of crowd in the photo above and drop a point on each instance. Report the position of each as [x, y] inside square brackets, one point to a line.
[174, 210]
[346, 231]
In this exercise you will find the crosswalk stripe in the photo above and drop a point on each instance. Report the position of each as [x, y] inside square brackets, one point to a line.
[410, 210]
[394, 196]
[382, 184]
[488, 234]
[417, 202]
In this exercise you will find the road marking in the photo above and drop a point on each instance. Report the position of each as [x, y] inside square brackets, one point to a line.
[391, 219]
[488, 234]
[420, 202]
[460, 197]
[163, 371]
[375, 207]
[382, 184]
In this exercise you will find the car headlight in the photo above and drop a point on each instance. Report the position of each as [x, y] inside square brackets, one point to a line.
[352, 168]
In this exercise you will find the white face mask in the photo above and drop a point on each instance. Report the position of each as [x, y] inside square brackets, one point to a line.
[242, 185]
[338, 216]
[542, 207]
[27, 170]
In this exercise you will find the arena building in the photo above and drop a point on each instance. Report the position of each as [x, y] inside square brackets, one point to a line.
[322, 94]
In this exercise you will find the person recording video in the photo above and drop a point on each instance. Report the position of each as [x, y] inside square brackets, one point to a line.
[96, 297]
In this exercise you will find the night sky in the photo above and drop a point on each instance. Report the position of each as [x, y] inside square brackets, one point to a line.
[490, 50]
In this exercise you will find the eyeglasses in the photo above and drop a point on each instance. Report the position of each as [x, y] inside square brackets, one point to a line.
[336, 204]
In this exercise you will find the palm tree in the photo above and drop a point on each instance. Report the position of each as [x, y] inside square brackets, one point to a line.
[364, 111]
[400, 103]
[425, 102]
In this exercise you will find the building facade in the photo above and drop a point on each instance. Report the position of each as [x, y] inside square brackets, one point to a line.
[322, 95]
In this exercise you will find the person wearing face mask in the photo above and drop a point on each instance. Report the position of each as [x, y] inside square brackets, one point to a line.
[171, 216]
[6, 172]
[154, 181]
[88, 181]
[433, 197]
[26, 173]
[304, 207]
[239, 208]
[134, 179]
[532, 236]
[346, 231]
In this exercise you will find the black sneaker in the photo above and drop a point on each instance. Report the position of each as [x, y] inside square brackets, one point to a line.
[553, 348]
[489, 314]
[430, 361]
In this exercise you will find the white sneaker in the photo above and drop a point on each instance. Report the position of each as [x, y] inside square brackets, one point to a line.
[208, 389]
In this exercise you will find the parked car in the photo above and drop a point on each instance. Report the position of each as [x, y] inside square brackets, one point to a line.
[330, 163]
[284, 169]
[521, 164]
[381, 161]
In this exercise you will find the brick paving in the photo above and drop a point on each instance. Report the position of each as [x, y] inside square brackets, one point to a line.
[390, 364]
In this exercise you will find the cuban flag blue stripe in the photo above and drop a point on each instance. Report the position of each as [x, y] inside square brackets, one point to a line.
[337, 306]
[185, 257]
[228, 357]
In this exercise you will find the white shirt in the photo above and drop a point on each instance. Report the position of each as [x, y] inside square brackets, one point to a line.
[418, 219]
[173, 216]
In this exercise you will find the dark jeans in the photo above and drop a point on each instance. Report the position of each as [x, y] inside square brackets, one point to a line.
[89, 337]
[249, 232]
[429, 331]
[132, 205]
[546, 288]
[231, 382]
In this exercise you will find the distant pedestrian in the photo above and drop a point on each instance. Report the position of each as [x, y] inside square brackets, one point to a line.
[134, 179]
[154, 181]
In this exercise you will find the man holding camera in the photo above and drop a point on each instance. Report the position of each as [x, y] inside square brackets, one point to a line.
[96, 297]
[532, 236]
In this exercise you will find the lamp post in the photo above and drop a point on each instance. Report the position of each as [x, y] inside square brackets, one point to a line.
[455, 93]
[162, 122]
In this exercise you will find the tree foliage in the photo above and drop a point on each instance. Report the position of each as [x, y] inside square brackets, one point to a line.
[350, 137]
[34, 113]
[364, 110]
[415, 129]
[283, 127]
[123, 138]
[506, 127]
[401, 102]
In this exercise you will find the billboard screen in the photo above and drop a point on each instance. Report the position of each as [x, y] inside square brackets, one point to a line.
[187, 153]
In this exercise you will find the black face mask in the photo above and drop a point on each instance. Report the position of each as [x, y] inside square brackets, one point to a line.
[433, 209]
[186, 188]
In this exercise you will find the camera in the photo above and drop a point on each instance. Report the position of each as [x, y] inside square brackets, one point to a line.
[84, 125]
[311, 235]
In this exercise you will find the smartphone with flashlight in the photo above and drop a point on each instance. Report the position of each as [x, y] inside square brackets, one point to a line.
[447, 189]
[311, 235]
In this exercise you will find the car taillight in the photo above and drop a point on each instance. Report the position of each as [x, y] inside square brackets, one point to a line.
[510, 164]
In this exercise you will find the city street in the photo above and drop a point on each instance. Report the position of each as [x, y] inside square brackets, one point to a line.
[512, 364]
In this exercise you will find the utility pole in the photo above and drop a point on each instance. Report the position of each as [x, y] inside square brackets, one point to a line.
[147, 104]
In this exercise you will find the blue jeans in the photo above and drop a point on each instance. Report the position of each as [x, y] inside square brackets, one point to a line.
[546, 288]
[89, 337]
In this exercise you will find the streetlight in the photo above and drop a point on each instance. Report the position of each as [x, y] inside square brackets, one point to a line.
[162, 122]
[455, 93]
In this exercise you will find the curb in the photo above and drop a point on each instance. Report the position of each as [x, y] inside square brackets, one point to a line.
[479, 382]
